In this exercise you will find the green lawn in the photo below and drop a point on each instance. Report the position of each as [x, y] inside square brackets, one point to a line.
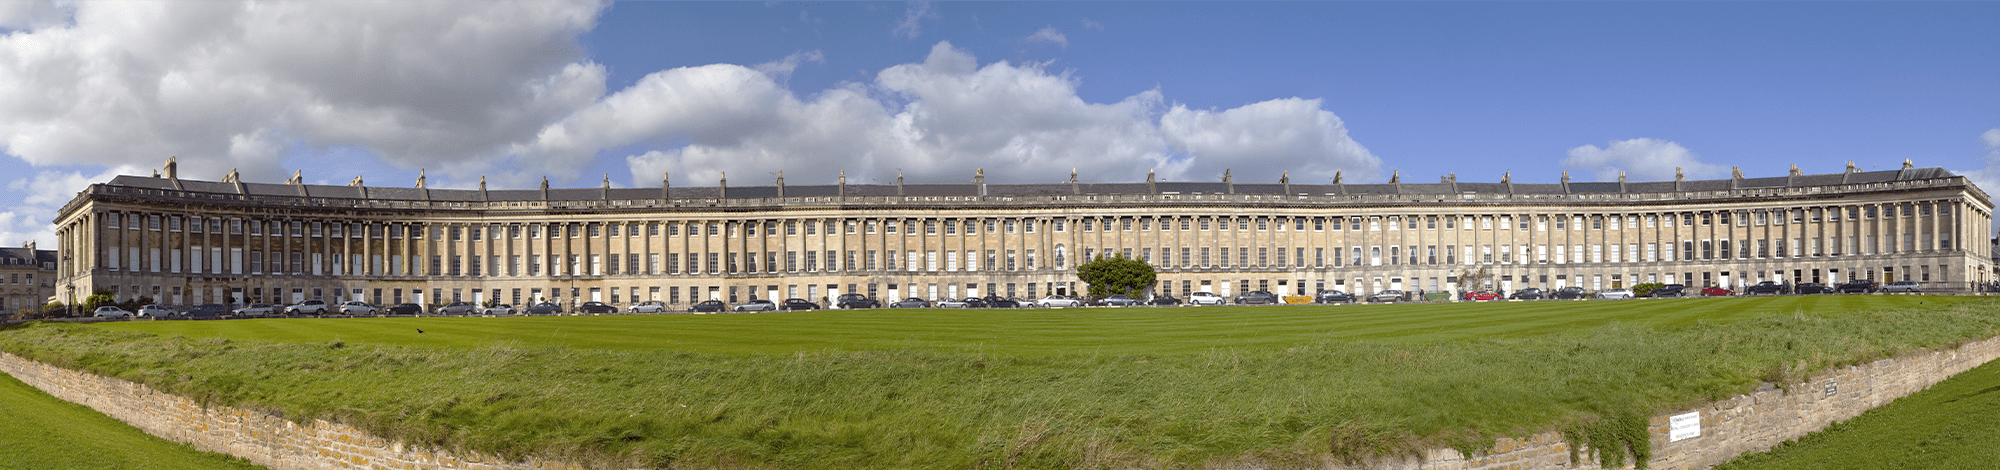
[1167, 387]
[41, 432]
[1950, 425]
[1181, 330]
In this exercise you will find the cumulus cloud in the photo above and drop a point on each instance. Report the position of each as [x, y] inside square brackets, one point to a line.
[914, 15]
[40, 197]
[1988, 177]
[238, 84]
[937, 120]
[1048, 34]
[1641, 159]
[1093, 25]
[781, 69]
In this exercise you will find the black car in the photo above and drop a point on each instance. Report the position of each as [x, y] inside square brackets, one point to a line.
[405, 309]
[544, 308]
[712, 306]
[1569, 293]
[1813, 288]
[1331, 296]
[1163, 299]
[1669, 290]
[206, 312]
[1859, 286]
[1769, 288]
[1531, 293]
[994, 301]
[457, 308]
[596, 307]
[856, 301]
[1257, 297]
[798, 304]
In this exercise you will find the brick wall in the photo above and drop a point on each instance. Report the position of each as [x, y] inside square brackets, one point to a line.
[1746, 423]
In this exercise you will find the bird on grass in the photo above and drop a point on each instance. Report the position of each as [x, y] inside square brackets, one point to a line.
[420, 331]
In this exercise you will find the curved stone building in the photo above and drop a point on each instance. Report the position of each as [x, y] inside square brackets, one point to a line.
[188, 242]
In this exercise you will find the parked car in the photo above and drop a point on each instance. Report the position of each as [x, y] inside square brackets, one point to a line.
[1054, 301]
[1813, 288]
[356, 307]
[952, 303]
[798, 304]
[1859, 286]
[1117, 300]
[994, 301]
[1669, 290]
[110, 312]
[1163, 299]
[855, 301]
[1907, 287]
[1712, 291]
[1768, 288]
[1480, 295]
[650, 306]
[1615, 293]
[1258, 297]
[456, 308]
[155, 311]
[1391, 295]
[1333, 296]
[1025, 303]
[709, 306]
[1569, 293]
[206, 312]
[545, 308]
[406, 309]
[310, 307]
[756, 305]
[912, 302]
[596, 307]
[501, 309]
[255, 310]
[1204, 298]
[1531, 293]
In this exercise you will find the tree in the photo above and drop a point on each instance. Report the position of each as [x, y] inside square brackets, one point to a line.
[1469, 281]
[1116, 275]
[97, 299]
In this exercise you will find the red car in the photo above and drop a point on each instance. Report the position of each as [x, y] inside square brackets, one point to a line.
[1717, 292]
[1481, 296]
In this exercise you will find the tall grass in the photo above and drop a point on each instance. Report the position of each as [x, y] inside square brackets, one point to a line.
[934, 407]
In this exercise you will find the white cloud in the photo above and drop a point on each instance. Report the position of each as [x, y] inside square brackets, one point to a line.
[1093, 25]
[227, 85]
[1641, 159]
[913, 16]
[938, 120]
[41, 196]
[1988, 178]
[781, 69]
[1048, 34]
[32, 14]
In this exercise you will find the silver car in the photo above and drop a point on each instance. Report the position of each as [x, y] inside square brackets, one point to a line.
[110, 312]
[1054, 301]
[156, 311]
[1615, 294]
[1908, 287]
[501, 309]
[256, 310]
[650, 306]
[756, 305]
[356, 307]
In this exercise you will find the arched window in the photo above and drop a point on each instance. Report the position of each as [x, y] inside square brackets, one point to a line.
[1062, 255]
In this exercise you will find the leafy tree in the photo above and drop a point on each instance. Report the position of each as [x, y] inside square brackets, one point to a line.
[97, 299]
[1645, 289]
[1116, 275]
[55, 309]
[1469, 281]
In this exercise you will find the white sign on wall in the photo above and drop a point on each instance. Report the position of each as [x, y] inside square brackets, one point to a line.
[1685, 426]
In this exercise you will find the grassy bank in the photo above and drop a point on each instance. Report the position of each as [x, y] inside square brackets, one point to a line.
[1950, 425]
[930, 389]
[38, 431]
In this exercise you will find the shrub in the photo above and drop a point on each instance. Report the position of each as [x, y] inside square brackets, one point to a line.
[1645, 289]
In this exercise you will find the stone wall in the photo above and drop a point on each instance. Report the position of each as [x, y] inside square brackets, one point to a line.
[1746, 423]
[264, 439]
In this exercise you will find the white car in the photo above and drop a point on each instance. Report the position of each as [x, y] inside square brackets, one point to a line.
[501, 309]
[356, 307]
[315, 307]
[951, 303]
[156, 311]
[1054, 301]
[1204, 298]
[110, 312]
[756, 305]
[650, 306]
[1615, 294]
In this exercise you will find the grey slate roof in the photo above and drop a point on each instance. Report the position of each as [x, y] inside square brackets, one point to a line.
[1039, 189]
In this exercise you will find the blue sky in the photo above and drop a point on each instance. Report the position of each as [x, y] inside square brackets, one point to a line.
[1028, 90]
